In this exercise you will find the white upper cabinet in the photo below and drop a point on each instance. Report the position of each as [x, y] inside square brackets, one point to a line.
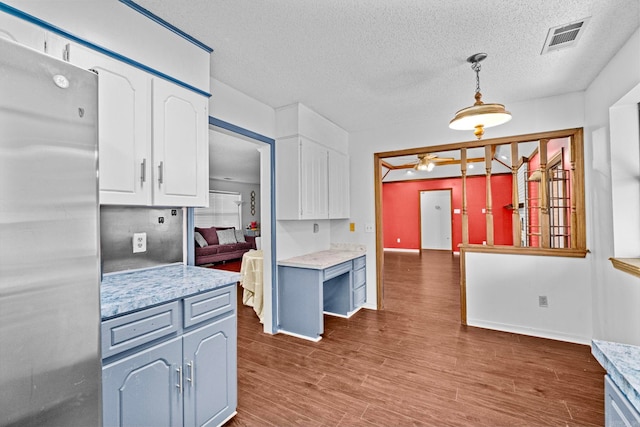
[124, 129]
[338, 185]
[180, 146]
[312, 174]
[301, 177]
[314, 184]
[153, 147]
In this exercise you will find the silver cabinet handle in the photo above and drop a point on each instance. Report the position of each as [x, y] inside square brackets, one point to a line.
[179, 385]
[192, 371]
[160, 171]
[66, 53]
[143, 171]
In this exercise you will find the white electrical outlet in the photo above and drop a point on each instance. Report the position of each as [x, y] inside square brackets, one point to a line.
[139, 242]
[368, 228]
[398, 240]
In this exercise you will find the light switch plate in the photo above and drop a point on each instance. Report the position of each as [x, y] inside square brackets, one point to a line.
[139, 242]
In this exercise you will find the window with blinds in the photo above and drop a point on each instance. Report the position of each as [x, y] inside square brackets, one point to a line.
[225, 210]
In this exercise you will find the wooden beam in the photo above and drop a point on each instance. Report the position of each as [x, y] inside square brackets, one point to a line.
[379, 255]
[515, 218]
[437, 163]
[465, 216]
[489, 205]
[544, 197]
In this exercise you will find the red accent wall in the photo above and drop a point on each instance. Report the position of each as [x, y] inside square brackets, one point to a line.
[401, 210]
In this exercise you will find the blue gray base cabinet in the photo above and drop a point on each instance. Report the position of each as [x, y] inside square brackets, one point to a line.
[304, 294]
[173, 364]
[618, 411]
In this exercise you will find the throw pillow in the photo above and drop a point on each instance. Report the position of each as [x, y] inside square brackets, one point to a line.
[209, 235]
[226, 237]
[200, 240]
[240, 237]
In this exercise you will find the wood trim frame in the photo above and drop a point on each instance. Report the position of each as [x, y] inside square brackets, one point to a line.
[578, 228]
[628, 265]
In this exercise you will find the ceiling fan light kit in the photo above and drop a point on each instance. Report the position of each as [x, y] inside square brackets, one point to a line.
[479, 115]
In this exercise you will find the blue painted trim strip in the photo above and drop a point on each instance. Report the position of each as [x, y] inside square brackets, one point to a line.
[39, 22]
[274, 267]
[191, 250]
[242, 131]
[133, 5]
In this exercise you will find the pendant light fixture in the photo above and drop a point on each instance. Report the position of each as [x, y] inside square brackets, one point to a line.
[479, 115]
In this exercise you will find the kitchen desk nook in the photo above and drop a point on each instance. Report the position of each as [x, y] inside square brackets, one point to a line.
[327, 282]
[169, 343]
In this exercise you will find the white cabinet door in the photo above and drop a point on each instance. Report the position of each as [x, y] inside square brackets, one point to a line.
[314, 185]
[124, 128]
[22, 32]
[338, 185]
[180, 146]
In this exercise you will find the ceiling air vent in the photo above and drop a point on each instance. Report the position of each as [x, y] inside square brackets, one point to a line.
[564, 36]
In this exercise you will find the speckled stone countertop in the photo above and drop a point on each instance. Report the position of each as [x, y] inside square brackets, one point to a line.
[128, 291]
[324, 259]
[622, 362]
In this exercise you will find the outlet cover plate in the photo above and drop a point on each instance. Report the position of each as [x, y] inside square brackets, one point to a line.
[139, 242]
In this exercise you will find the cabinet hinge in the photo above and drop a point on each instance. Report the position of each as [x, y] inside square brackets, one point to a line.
[66, 53]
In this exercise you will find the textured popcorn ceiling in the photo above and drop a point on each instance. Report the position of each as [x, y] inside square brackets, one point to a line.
[366, 63]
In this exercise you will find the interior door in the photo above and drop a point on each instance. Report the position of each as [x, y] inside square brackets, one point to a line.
[435, 219]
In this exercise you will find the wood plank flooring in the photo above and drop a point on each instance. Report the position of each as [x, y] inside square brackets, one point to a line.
[413, 364]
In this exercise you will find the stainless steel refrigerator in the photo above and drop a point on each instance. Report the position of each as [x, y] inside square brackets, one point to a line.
[50, 371]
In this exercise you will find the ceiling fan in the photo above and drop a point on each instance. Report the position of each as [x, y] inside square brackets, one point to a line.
[426, 162]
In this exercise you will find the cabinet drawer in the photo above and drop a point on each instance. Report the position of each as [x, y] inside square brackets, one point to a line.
[208, 305]
[618, 411]
[359, 296]
[131, 330]
[337, 270]
[359, 262]
[359, 277]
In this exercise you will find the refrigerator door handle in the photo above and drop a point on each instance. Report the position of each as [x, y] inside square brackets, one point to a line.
[160, 171]
[143, 171]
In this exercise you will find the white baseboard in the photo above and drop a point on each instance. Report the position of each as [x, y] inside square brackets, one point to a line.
[401, 250]
[540, 333]
[304, 337]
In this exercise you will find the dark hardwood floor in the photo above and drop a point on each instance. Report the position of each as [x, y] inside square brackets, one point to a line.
[413, 364]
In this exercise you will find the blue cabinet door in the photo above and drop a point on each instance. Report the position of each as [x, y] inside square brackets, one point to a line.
[210, 373]
[144, 389]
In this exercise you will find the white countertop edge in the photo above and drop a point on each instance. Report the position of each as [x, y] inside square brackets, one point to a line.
[299, 261]
[621, 363]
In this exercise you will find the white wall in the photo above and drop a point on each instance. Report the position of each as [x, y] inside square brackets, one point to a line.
[503, 291]
[560, 112]
[616, 295]
[297, 237]
[235, 107]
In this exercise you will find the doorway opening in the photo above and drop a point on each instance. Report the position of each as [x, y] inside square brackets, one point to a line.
[435, 220]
